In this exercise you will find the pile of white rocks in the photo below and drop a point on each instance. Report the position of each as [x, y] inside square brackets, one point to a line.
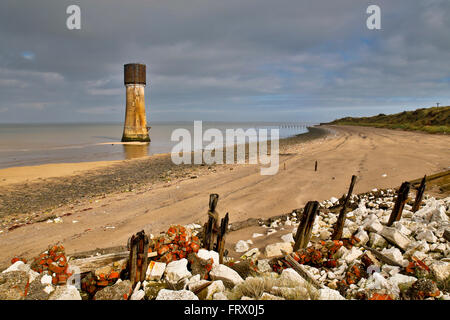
[423, 235]
[19, 282]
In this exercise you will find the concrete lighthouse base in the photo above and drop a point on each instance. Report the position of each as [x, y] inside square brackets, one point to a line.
[135, 128]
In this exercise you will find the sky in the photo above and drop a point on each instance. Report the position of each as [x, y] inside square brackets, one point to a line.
[233, 60]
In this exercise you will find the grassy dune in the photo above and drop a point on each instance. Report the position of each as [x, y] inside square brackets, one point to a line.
[431, 120]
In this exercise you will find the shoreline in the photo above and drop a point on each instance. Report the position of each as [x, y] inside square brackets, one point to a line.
[29, 174]
[46, 187]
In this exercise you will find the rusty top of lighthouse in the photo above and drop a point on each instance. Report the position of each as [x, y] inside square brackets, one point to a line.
[135, 73]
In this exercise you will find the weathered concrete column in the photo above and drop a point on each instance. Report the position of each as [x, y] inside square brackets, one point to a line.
[135, 128]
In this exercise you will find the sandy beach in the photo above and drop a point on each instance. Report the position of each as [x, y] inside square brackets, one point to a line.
[113, 208]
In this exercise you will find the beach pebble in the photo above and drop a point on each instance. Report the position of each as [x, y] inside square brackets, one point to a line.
[166, 294]
[241, 246]
[205, 255]
[288, 238]
[177, 270]
[274, 249]
[226, 274]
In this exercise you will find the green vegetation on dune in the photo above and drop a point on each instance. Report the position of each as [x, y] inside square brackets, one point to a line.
[431, 120]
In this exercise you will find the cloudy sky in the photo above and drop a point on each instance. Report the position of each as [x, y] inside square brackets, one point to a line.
[233, 60]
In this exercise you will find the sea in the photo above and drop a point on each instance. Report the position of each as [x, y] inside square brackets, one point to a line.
[35, 144]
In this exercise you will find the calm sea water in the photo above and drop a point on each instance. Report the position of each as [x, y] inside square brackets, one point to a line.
[34, 144]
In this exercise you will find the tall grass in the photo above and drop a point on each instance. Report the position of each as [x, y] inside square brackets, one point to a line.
[430, 120]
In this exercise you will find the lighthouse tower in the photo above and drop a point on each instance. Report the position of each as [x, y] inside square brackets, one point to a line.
[135, 127]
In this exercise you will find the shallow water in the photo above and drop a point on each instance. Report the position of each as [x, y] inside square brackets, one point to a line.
[34, 144]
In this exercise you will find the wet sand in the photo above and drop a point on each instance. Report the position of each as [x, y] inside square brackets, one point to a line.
[105, 221]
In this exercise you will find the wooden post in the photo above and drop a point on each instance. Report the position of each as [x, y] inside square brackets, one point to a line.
[208, 241]
[419, 194]
[138, 262]
[304, 229]
[339, 227]
[221, 237]
[402, 197]
[315, 167]
[132, 260]
[143, 256]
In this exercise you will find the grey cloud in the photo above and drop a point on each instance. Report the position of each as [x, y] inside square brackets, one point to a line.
[223, 60]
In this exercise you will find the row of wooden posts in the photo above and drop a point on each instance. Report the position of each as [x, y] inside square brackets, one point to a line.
[306, 223]
[214, 234]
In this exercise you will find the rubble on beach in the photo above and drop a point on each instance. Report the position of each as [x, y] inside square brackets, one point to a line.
[409, 260]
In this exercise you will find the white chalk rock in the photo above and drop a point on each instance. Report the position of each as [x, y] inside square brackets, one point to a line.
[352, 226]
[21, 266]
[342, 251]
[361, 211]
[334, 200]
[288, 238]
[138, 295]
[205, 254]
[213, 288]
[362, 236]
[177, 270]
[49, 289]
[332, 219]
[346, 233]
[289, 275]
[372, 224]
[377, 281]
[395, 255]
[426, 213]
[399, 279]
[257, 235]
[274, 249]
[16, 266]
[377, 241]
[155, 270]
[426, 235]
[195, 283]
[390, 270]
[165, 294]
[324, 235]
[330, 294]
[226, 274]
[400, 227]
[441, 270]
[67, 292]
[241, 246]
[46, 279]
[395, 237]
[219, 296]
[352, 255]
[264, 266]
[439, 215]
[417, 246]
